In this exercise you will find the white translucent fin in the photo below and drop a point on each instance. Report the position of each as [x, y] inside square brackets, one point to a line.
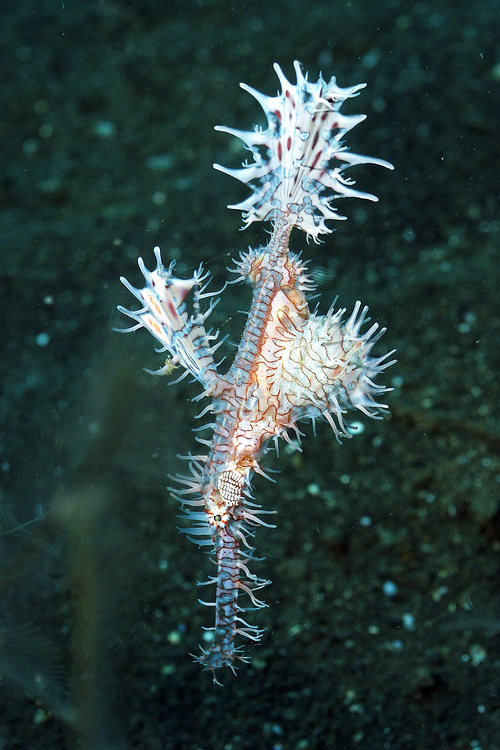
[299, 160]
[164, 314]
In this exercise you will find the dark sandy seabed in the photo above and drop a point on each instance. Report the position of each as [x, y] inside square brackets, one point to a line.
[384, 614]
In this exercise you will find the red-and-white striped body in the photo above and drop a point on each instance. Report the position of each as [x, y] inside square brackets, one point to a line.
[291, 364]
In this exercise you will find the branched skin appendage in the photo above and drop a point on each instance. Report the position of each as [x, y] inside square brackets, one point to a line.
[291, 364]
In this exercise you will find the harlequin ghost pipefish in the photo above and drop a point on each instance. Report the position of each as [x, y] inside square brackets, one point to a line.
[291, 364]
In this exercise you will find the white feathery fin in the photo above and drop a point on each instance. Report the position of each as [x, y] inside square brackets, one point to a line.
[165, 316]
[299, 160]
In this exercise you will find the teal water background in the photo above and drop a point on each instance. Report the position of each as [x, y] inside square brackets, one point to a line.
[383, 544]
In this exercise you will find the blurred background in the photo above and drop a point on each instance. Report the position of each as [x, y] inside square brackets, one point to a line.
[384, 614]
